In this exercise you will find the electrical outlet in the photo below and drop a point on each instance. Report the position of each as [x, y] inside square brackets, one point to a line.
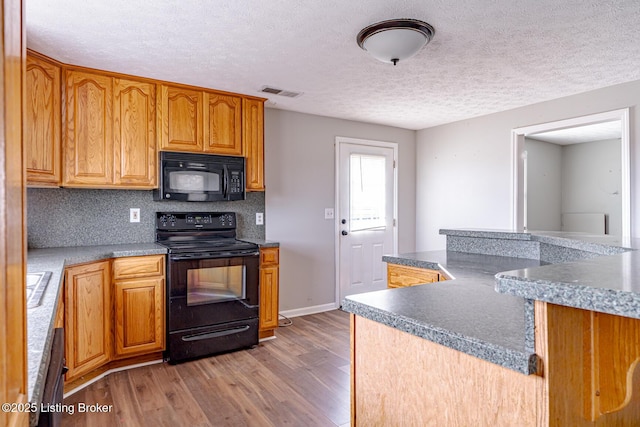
[134, 215]
[259, 218]
[328, 213]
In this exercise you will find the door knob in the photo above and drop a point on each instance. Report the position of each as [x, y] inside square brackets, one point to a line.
[344, 233]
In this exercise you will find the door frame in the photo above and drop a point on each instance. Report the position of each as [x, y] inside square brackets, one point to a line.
[518, 164]
[367, 143]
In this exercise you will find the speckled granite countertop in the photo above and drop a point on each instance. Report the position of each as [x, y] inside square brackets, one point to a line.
[465, 313]
[608, 284]
[591, 272]
[40, 320]
[599, 273]
[260, 242]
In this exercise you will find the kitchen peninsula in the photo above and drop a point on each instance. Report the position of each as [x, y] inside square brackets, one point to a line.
[539, 329]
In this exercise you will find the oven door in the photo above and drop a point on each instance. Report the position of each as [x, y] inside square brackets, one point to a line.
[210, 291]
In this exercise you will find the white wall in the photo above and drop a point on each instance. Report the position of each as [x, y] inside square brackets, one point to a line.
[464, 168]
[300, 184]
[544, 185]
[591, 181]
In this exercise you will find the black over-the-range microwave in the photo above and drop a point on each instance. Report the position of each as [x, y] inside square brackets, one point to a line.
[200, 177]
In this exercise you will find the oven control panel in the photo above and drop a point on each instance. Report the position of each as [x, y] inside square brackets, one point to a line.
[195, 220]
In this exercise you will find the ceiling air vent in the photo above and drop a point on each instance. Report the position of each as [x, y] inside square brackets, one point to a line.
[276, 91]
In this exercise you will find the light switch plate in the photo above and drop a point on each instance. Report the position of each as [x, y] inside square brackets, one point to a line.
[328, 213]
[259, 218]
[134, 215]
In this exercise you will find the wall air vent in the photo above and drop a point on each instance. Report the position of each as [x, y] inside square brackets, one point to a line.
[276, 91]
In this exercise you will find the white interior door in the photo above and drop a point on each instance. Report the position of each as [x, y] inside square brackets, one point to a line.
[366, 202]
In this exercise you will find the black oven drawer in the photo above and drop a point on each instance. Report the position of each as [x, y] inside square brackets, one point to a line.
[184, 316]
[198, 342]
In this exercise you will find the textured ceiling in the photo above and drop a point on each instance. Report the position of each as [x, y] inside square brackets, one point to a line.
[486, 55]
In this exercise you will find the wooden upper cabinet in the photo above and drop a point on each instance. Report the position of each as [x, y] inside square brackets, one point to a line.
[223, 124]
[94, 129]
[180, 118]
[110, 132]
[253, 142]
[134, 132]
[200, 121]
[88, 136]
[42, 122]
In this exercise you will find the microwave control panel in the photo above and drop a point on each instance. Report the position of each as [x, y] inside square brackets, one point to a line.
[236, 182]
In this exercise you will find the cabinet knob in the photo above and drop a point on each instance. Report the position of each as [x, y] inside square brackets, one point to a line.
[344, 232]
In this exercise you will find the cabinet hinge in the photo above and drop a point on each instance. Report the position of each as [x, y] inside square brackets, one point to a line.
[394, 164]
[394, 222]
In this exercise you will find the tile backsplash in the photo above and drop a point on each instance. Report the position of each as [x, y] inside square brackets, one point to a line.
[77, 217]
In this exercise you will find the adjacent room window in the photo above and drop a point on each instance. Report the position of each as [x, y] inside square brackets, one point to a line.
[367, 181]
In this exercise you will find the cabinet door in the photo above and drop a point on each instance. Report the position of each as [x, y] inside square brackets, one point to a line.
[269, 285]
[253, 142]
[268, 298]
[88, 139]
[223, 124]
[42, 129]
[87, 317]
[134, 128]
[139, 316]
[181, 119]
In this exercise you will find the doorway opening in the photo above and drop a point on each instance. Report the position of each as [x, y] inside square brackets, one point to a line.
[573, 175]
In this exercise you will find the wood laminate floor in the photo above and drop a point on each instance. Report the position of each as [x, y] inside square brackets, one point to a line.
[299, 379]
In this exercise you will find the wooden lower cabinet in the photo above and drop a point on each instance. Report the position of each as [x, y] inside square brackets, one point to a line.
[399, 276]
[113, 309]
[139, 316]
[88, 339]
[269, 286]
[139, 305]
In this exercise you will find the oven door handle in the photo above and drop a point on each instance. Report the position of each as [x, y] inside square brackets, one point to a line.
[218, 334]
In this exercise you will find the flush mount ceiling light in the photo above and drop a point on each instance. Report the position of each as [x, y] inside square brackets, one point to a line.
[396, 39]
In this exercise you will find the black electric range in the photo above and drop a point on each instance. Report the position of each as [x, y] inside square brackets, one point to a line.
[212, 284]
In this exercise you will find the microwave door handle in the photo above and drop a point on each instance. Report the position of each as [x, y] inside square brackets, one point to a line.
[225, 181]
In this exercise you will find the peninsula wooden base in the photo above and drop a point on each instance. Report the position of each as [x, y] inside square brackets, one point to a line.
[589, 376]
[400, 379]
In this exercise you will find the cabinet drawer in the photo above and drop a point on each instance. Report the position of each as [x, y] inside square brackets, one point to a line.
[400, 275]
[269, 256]
[131, 267]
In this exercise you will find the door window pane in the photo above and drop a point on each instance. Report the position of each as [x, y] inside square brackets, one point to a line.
[215, 284]
[367, 192]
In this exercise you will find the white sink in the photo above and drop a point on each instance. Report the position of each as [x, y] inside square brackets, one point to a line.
[36, 285]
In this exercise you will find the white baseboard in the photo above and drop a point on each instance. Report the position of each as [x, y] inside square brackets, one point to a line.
[310, 310]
